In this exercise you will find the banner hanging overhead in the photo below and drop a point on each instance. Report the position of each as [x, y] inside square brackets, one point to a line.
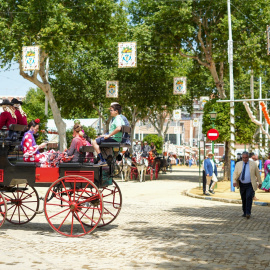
[179, 85]
[112, 89]
[127, 54]
[177, 114]
[203, 101]
[195, 122]
[30, 55]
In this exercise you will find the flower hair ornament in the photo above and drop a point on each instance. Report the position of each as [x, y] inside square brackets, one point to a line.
[37, 121]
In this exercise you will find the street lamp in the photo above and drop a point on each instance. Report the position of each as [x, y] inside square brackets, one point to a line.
[213, 116]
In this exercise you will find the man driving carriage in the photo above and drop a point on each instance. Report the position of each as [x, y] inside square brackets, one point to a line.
[146, 149]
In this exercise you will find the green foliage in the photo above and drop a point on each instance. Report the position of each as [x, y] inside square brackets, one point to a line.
[34, 107]
[157, 140]
[199, 29]
[244, 128]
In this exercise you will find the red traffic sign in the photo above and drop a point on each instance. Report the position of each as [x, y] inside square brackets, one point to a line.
[212, 134]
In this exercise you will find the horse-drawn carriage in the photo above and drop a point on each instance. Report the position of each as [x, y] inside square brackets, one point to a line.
[81, 196]
[144, 165]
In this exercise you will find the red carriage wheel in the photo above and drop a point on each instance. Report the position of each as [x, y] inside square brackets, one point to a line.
[73, 206]
[151, 172]
[156, 171]
[3, 209]
[112, 203]
[133, 172]
[22, 204]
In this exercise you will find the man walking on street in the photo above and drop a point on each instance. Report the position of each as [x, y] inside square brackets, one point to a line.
[210, 169]
[246, 176]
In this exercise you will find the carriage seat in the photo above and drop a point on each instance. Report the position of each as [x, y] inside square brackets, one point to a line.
[18, 131]
[25, 164]
[125, 130]
[70, 165]
[16, 127]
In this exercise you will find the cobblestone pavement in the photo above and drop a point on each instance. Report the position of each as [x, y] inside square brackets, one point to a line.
[158, 228]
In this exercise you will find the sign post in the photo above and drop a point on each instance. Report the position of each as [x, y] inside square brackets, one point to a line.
[212, 135]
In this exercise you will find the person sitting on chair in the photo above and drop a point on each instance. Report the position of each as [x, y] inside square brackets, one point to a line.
[8, 116]
[30, 148]
[76, 143]
[20, 114]
[153, 148]
[146, 149]
[126, 137]
[115, 134]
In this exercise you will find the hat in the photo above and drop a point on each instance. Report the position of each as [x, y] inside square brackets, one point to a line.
[16, 101]
[210, 154]
[6, 102]
[145, 141]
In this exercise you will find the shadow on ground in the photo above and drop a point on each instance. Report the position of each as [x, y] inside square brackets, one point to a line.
[209, 238]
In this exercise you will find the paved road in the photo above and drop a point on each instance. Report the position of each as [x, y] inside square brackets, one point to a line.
[158, 228]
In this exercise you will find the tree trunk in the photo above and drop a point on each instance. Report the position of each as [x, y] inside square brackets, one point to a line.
[218, 78]
[60, 124]
[46, 88]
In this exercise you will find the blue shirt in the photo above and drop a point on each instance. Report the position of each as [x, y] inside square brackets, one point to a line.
[247, 174]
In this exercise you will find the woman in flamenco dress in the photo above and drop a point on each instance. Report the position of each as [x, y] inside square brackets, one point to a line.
[266, 182]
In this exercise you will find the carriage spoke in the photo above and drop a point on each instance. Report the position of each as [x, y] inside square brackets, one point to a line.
[81, 192]
[13, 212]
[64, 220]
[92, 220]
[72, 222]
[25, 213]
[27, 207]
[80, 222]
[55, 204]
[66, 190]
[58, 213]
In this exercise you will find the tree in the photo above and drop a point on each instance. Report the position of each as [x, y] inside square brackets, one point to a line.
[199, 30]
[244, 128]
[58, 27]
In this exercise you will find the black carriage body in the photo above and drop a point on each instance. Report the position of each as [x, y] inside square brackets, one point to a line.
[12, 172]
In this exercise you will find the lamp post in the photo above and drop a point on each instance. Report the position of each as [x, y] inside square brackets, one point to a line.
[213, 116]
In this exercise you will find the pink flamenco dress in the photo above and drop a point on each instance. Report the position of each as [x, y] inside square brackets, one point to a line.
[266, 182]
[31, 153]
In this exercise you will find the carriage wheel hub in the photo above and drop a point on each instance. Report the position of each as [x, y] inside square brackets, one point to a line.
[73, 206]
[17, 202]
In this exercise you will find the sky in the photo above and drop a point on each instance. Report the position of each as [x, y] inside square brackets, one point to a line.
[12, 83]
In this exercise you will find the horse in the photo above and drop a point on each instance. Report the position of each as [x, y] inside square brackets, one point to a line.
[141, 165]
[125, 173]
